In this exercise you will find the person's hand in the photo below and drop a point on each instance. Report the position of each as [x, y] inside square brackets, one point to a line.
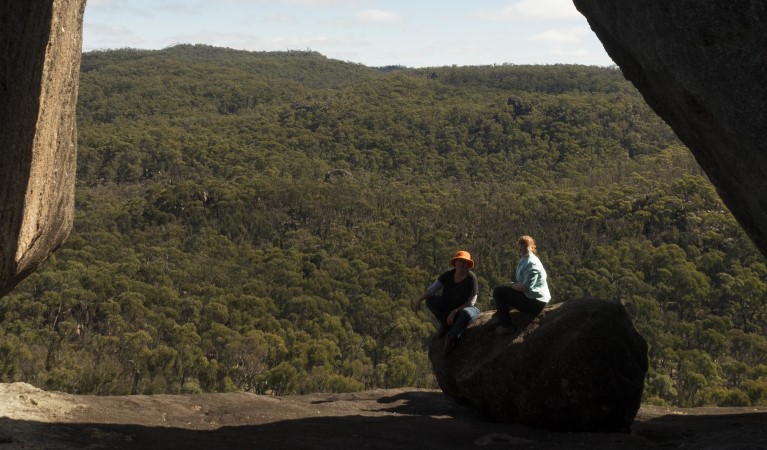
[417, 305]
[451, 317]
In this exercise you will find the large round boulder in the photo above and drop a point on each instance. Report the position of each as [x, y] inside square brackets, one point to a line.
[577, 366]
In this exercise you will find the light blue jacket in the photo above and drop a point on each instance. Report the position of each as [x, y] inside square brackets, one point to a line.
[531, 273]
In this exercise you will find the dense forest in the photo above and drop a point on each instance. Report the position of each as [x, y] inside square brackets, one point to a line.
[264, 221]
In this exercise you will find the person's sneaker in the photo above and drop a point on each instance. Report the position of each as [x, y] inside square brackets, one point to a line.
[450, 344]
[442, 330]
[505, 328]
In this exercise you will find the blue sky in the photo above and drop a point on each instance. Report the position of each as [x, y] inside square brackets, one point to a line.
[412, 33]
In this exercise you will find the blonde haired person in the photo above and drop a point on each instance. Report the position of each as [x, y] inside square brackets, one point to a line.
[528, 293]
[456, 307]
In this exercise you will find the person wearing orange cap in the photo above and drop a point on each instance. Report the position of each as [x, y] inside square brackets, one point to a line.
[456, 307]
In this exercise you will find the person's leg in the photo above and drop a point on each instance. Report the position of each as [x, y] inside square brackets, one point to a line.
[437, 307]
[440, 311]
[502, 297]
[462, 320]
[526, 305]
[507, 298]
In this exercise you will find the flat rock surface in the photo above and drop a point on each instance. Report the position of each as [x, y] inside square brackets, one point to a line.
[395, 418]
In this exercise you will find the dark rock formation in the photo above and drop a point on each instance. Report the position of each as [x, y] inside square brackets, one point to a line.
[577, 366]
[700, 64]
[40, 45]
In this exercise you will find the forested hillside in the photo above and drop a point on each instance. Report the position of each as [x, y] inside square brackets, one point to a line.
[264, 221]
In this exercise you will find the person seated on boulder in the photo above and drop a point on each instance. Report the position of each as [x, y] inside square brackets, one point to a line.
[529, 293]
[456, 307]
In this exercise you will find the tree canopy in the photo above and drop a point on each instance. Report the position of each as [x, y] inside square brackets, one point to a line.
[264, 221]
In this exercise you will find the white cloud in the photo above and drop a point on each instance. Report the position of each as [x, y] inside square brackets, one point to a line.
[125, 10]
[180, 8]
[281, 18]
[298, 43]
[309, 3]
[110, 36]
[377, 16]
[575, 52]
[561, 35]
[537, 10]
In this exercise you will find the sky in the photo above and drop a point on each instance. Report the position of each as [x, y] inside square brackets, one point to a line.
[375, 33]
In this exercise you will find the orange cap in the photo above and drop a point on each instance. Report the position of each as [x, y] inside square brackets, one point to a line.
[462, 254]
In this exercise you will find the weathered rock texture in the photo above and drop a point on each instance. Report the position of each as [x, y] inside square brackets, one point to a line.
[40, 46]
[702, 66]
[577, 366]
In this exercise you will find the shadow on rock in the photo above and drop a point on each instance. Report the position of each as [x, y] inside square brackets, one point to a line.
[393, 430]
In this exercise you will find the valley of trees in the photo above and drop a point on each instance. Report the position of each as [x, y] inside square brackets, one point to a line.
[264, 221]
